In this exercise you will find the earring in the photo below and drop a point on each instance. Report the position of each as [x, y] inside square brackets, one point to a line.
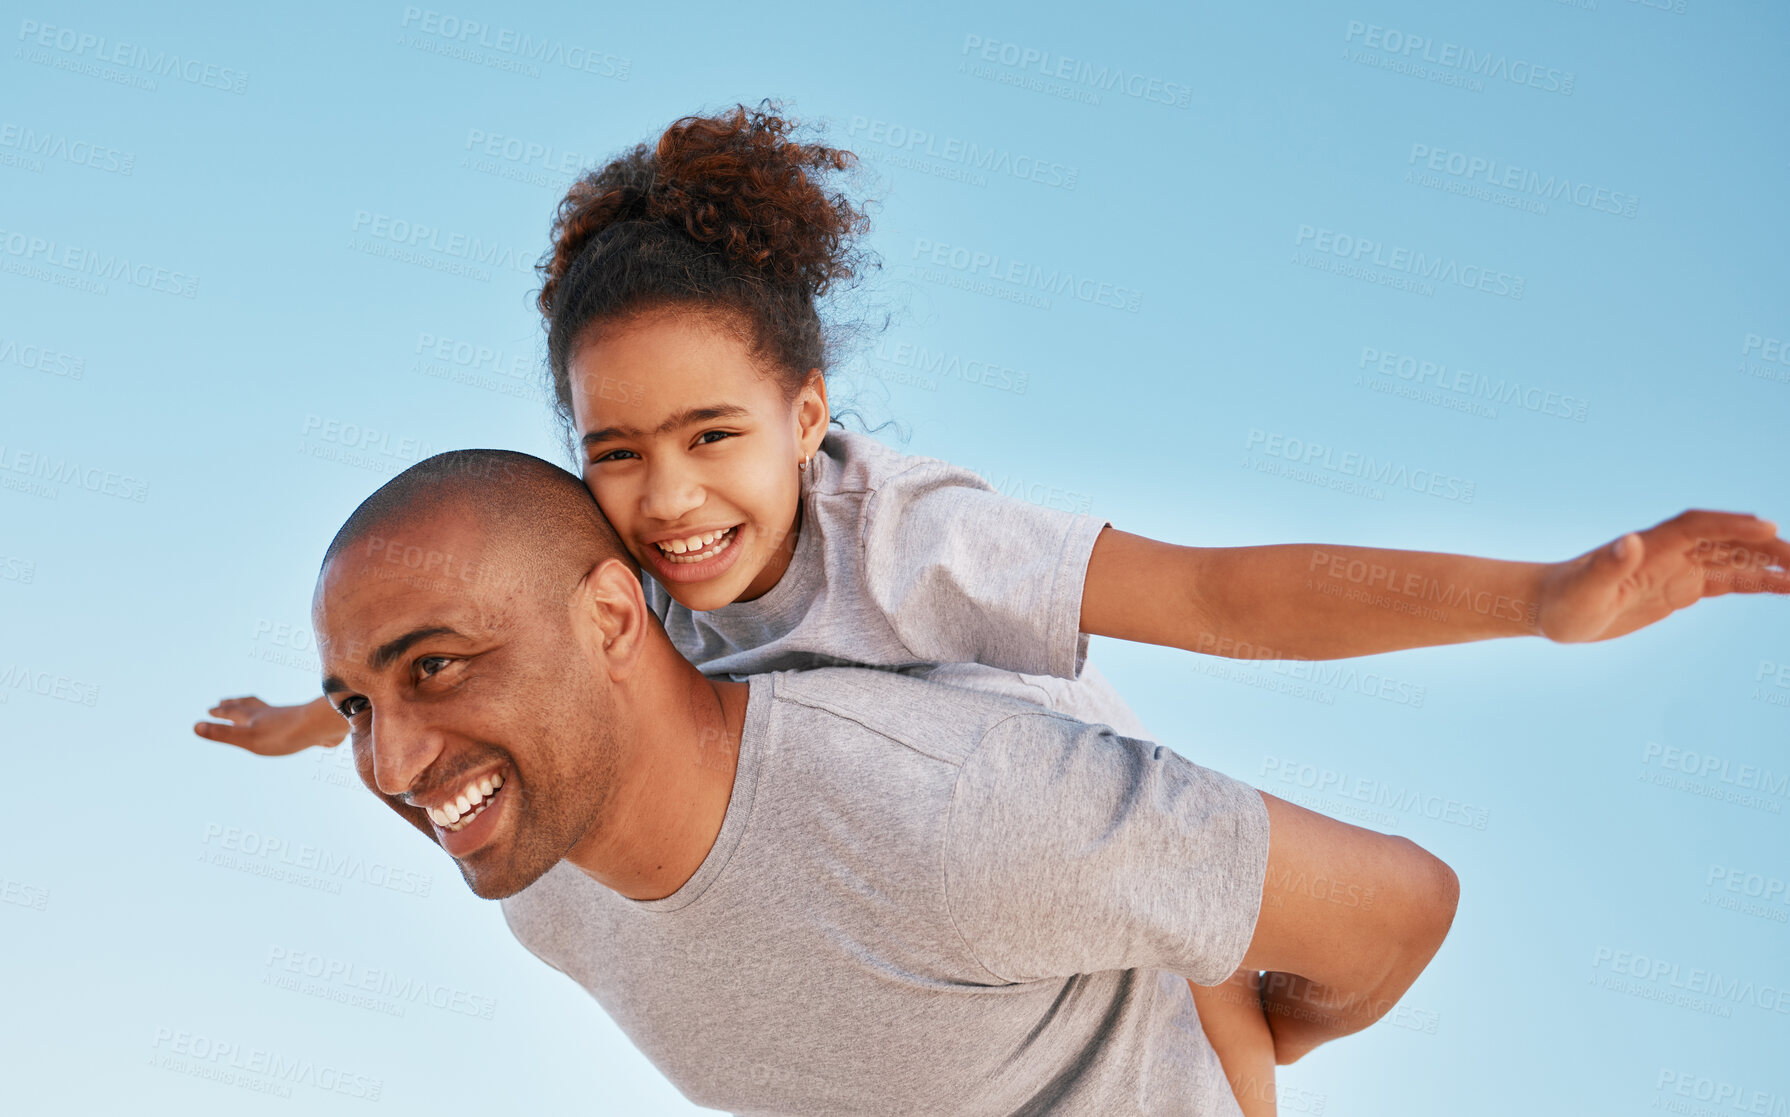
[803, 468]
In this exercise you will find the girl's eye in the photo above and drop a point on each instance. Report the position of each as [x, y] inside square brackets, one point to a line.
[707, 437]
[613, 456]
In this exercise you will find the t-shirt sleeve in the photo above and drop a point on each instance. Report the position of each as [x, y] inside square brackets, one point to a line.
[1071, 849]
[965, 574]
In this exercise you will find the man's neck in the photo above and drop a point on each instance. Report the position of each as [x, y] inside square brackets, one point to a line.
[680, 737]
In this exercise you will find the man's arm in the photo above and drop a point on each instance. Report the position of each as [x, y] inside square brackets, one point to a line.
[1349, 918]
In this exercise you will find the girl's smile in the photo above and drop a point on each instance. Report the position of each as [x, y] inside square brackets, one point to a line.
[696, 556]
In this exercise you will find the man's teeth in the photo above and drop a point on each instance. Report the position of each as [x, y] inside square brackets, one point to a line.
[465, 805]
[697, 547]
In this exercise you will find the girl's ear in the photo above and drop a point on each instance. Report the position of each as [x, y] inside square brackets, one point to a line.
[812, 413]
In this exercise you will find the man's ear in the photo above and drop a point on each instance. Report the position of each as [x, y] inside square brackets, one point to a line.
[812, 413]
[610, 611]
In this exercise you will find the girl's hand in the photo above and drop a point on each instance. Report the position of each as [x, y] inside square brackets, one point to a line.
[1647, 575]
[274, 730]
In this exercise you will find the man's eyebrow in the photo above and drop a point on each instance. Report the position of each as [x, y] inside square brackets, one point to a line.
[383, 655]
[678, 419]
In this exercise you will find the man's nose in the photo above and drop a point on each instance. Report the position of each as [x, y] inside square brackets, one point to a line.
[404, 745]
[673, 490]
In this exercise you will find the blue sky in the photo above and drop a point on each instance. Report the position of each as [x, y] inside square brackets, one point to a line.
[1176, 265]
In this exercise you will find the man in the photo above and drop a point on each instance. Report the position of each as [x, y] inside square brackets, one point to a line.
[836, 891]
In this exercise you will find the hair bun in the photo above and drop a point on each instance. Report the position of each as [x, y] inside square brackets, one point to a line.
[737, 181]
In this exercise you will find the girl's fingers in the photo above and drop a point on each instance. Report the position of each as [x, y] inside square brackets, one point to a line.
[212, 731]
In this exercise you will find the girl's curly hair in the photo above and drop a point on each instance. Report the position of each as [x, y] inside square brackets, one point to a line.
[725, 213]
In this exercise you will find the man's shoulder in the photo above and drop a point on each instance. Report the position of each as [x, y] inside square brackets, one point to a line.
[938, 720]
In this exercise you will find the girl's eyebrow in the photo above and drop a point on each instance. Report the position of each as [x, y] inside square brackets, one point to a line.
[678, 419]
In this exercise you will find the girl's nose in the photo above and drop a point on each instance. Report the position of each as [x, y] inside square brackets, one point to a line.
[671, 493]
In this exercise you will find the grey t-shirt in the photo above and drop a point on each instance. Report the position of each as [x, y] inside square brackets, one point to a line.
[925, 899]
[915, 564]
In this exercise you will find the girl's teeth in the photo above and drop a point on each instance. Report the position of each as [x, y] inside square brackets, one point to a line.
[709, 544]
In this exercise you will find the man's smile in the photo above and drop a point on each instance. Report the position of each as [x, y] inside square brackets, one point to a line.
[467, 818]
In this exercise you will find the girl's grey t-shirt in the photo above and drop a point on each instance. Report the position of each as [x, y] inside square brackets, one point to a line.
[928, 900]
[914, 564]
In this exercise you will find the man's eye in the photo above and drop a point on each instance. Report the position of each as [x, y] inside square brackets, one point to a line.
[351, 707]
[423, 668]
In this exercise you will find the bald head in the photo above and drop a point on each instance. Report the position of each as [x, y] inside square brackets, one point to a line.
[538, 523]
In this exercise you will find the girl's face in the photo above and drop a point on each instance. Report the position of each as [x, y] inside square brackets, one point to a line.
[691, 450]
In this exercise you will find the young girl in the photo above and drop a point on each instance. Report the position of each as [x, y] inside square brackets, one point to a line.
[689, 361]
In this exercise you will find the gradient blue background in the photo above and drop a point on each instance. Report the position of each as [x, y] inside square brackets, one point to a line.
[123, 924]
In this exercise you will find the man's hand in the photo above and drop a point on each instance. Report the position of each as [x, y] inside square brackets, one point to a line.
[1648, 575]
[274, 730]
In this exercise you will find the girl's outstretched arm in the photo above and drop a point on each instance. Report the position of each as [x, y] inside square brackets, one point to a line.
[1314, 601]
[274, 730]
